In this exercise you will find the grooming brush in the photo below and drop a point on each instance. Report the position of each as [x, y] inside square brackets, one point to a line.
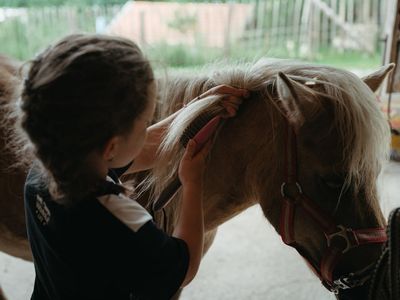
[200, 130]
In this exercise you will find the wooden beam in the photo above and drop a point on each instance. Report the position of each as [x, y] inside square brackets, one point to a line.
[394, 48]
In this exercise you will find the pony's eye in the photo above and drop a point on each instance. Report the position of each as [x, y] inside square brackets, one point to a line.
[333, 181]
[334, 184]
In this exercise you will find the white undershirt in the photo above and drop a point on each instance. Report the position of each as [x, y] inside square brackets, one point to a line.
[127, 210]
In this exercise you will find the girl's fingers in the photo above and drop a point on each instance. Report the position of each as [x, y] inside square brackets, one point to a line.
[230, 104]
[190, 148]
[229, 113]
[227, 89]
[232, 98]
[231, 107]
[231, 101]
[235, 99]
[206, 149]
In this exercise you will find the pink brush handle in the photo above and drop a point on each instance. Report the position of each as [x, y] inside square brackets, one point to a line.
[206, 133]
[201, 139]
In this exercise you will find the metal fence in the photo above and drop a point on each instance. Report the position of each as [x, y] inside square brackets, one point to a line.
[290, 28]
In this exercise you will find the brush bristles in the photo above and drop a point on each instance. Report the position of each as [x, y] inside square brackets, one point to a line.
[198, 123]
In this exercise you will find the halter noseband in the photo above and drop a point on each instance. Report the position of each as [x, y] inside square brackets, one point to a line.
[339, 238]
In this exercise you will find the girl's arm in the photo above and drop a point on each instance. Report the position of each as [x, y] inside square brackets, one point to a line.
[190, 226]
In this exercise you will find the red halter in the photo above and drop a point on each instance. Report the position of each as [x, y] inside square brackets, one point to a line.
[352, 237]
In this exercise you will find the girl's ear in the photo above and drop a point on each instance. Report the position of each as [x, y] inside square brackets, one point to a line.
[110, 149]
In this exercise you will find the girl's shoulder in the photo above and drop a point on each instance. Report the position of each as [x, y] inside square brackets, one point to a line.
[125, 209]
[36, 175]
[36, 185]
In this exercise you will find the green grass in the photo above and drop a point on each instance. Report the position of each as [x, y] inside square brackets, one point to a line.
[182, 57]
[349, 61]
[355, 60]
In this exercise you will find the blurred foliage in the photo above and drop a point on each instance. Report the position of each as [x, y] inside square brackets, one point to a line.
[26, 3]
[178, 56]
[183, 22]
[34, 28]
[32, 3]
[23, 36]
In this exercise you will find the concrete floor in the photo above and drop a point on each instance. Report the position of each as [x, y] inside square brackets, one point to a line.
[247, 261]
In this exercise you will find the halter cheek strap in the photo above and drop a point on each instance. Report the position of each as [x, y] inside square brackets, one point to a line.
[339, 238]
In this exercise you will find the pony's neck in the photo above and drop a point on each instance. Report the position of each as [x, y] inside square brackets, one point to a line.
[243, 167]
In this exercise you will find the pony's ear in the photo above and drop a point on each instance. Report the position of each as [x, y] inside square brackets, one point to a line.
[375, 79]
[296, 100]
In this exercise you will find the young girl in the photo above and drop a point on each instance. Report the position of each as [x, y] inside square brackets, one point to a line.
[85, 109]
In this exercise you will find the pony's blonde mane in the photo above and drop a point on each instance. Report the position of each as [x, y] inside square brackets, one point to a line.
[363, 128]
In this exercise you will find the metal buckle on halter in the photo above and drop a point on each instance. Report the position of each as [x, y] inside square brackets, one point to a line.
[283, 189]
[342, 283]
[343, 233]
[345, 283]
[350, 281]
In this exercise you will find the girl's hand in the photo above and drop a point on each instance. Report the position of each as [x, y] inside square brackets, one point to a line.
[191, 168]
[233, 97]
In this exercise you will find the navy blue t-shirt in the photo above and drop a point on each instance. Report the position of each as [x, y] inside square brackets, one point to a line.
[105, 247]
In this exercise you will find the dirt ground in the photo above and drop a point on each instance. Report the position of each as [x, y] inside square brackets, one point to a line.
[247, 261]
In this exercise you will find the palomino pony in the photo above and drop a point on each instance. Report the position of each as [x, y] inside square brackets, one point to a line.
[307, 146]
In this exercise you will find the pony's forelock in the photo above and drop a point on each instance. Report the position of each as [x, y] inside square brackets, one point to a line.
[363, 130]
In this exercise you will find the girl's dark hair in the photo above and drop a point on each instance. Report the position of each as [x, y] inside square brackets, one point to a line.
[77, 95]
